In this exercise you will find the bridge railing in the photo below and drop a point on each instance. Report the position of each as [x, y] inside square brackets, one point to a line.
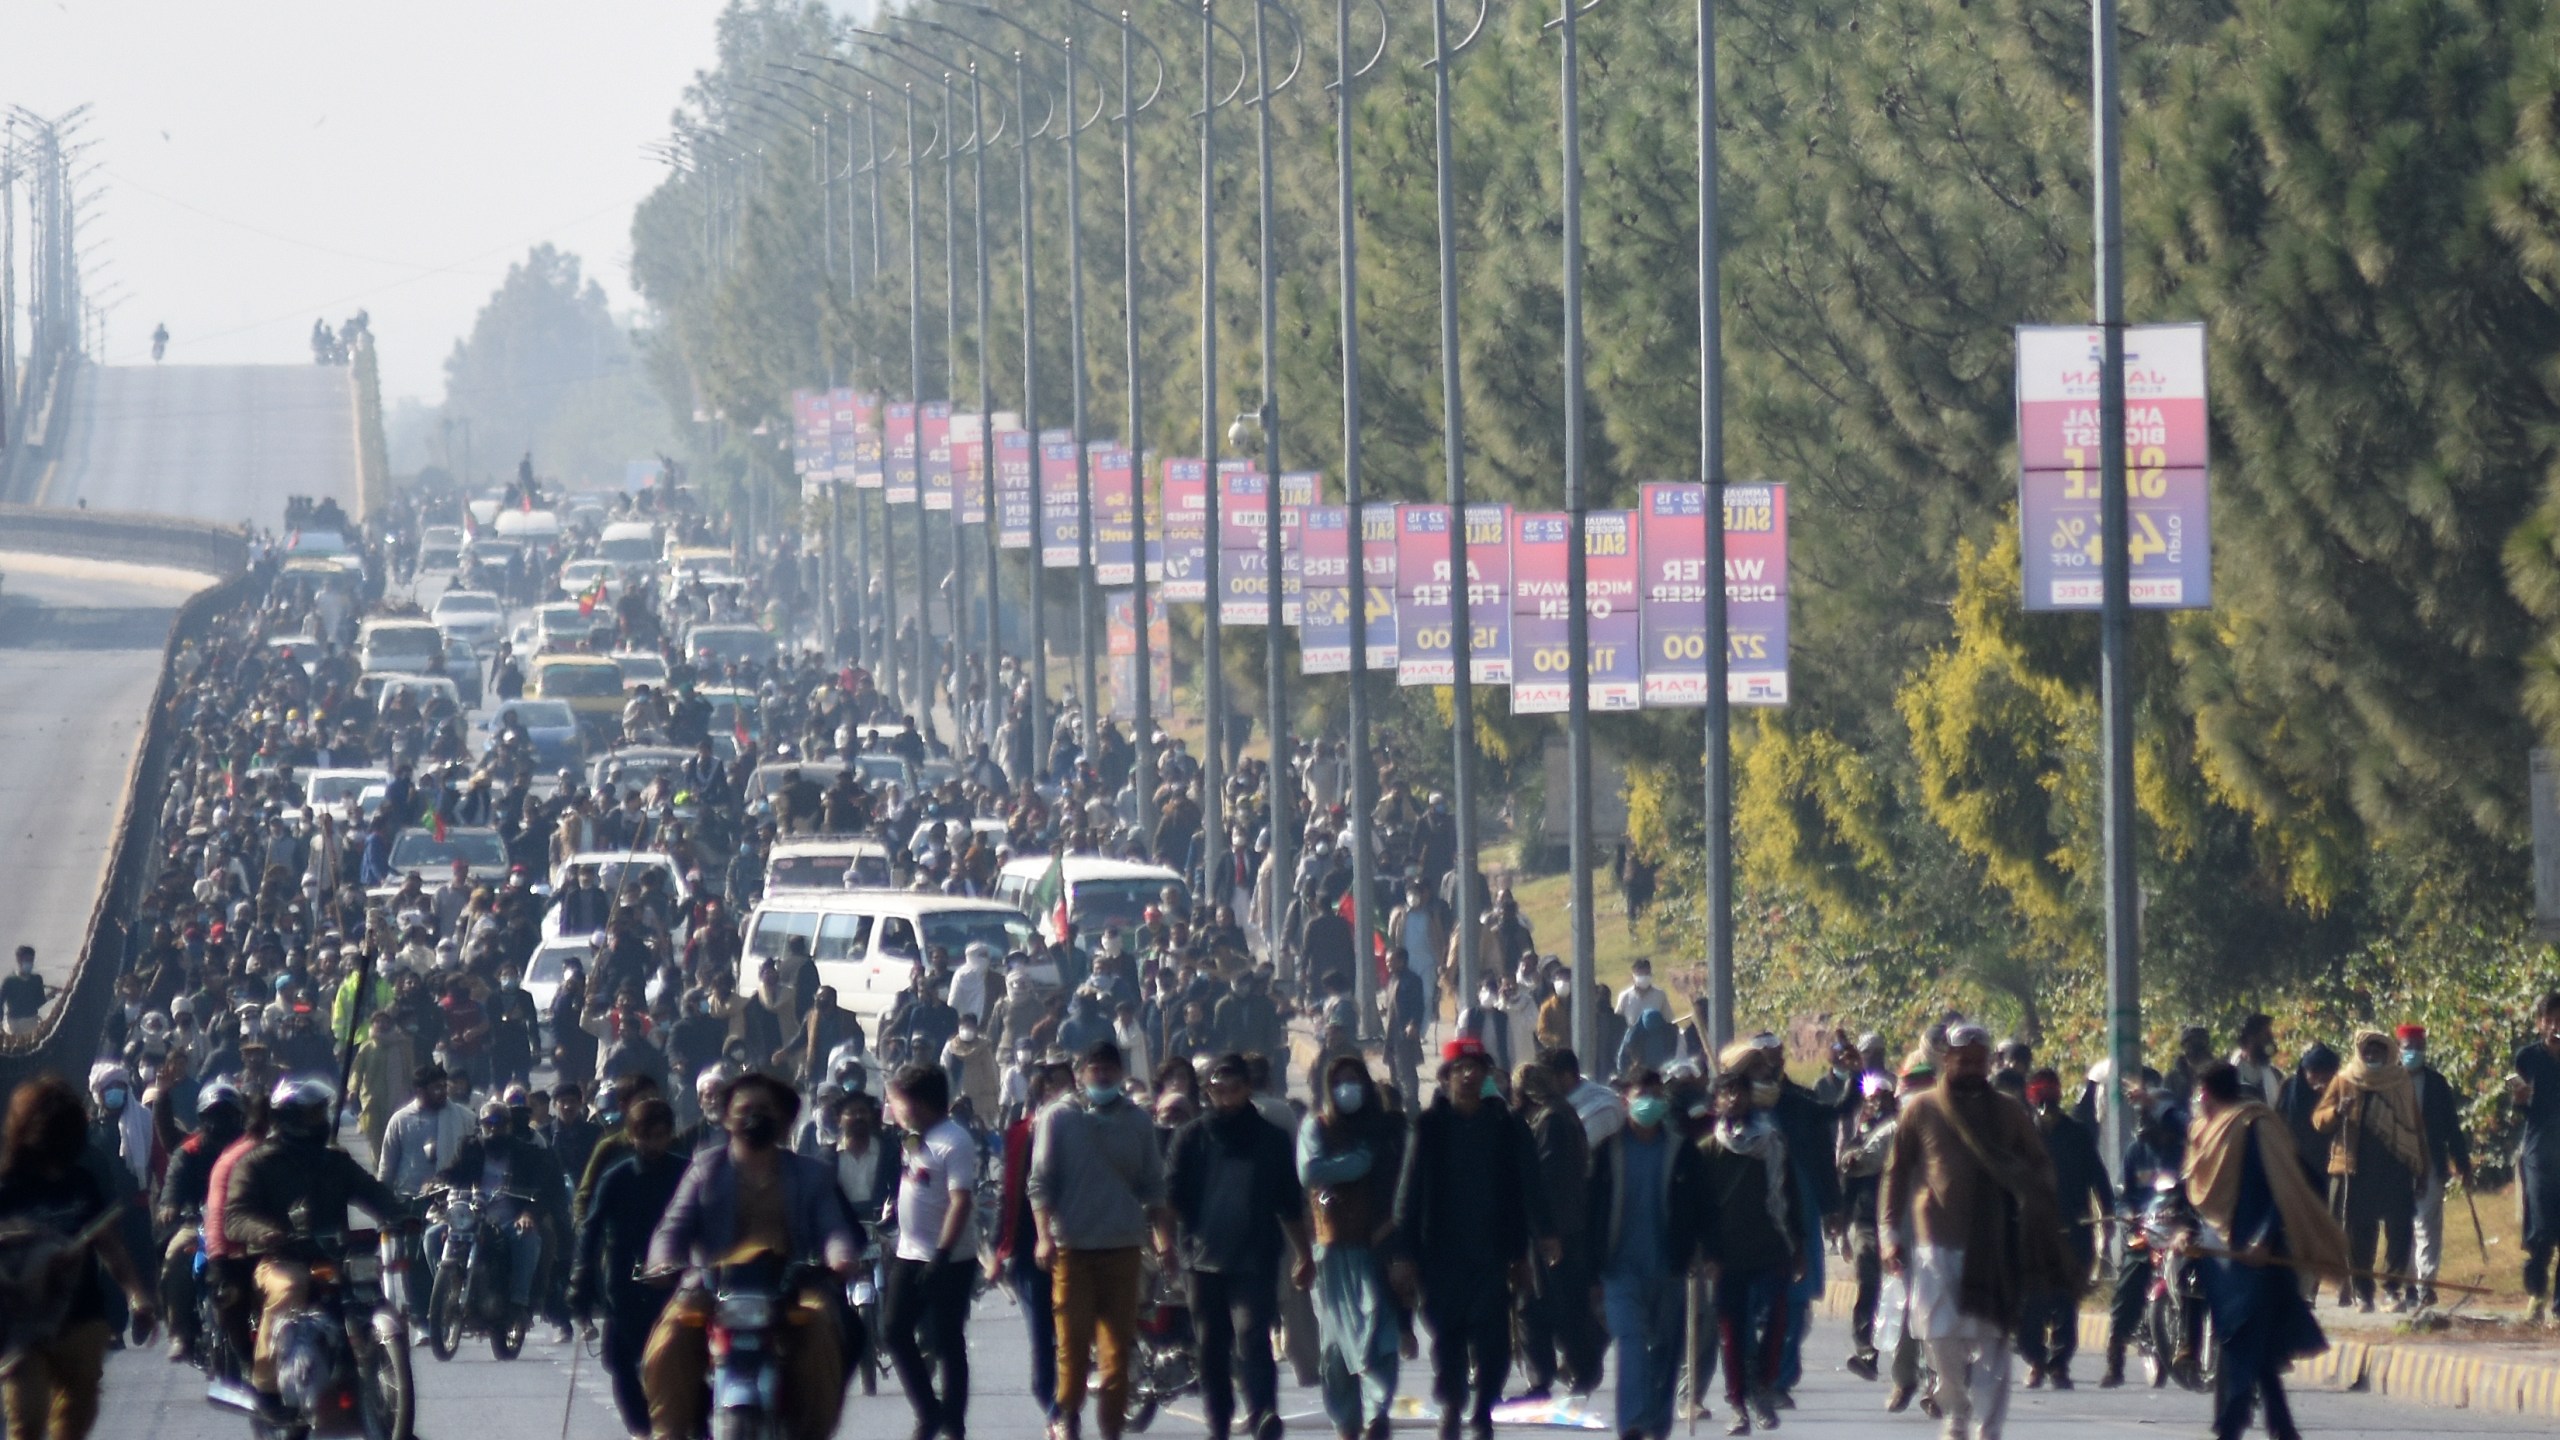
[132, 538]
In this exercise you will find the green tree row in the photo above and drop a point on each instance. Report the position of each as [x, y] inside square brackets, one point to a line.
[2360, 198]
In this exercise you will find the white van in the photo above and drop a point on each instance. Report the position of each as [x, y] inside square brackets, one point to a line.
[1099, 891]
[837, 863]
[632, 545]
[868, 942]
[404, 646]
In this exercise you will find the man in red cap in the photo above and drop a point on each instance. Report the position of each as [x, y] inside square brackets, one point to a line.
[1467, 1214]
[2448, 1154]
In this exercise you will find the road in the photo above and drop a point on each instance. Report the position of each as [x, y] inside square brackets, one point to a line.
[211, 442]
[69, 721]
[531, 1399]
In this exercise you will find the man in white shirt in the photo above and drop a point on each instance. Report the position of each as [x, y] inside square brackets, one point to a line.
[972, 987]
[924, 1305]
[423, 1136]
[1640, 996]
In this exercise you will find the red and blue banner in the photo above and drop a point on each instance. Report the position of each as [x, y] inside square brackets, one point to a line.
[1115, 518]
[1378, 572]
[1015, 504]
[2167, 450]
[1184, 505]
[1423, 653]
[1489, 593]
[933, 450]
[1060, 512]
[1324, 590]
[898, 432]
[1243, 579]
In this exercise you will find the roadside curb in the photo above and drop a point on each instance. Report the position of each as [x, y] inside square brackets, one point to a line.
[2438, 1376]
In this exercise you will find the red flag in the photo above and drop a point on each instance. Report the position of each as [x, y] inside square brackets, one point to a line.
[439, 825]
[738, 728]
[1350, 913]
[593, 597]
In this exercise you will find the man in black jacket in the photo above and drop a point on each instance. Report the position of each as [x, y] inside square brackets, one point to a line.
[1468, 1209]
[2049, 1334]
[1812, 1130]
[1555, 1315]
[629, 1199]
[1231, 1185]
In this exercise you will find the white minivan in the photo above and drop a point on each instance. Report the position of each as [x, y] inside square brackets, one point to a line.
[406, 646]
[868, 942]
[1099, 891]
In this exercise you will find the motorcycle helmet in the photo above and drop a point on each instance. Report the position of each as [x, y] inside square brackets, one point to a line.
[218, 1095]
[304, 1108]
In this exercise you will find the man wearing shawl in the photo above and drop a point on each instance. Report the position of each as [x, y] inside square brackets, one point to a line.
[1970, 1179]
[2377, 1151]
[2264, 1225]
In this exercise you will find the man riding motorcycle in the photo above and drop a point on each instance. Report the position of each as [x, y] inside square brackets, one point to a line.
[746, 1196]
[220, 1115]
[499, 1163]
[294, 1166]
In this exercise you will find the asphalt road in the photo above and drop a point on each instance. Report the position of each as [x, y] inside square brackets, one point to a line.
[69, 722]
[532, 1399]
[212, 442]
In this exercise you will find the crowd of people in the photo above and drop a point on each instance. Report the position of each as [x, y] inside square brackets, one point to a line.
[1187, 1108]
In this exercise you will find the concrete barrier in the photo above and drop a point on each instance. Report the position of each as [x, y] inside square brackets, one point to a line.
[134, 539]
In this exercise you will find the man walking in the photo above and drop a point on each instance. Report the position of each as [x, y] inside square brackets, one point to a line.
[2377, 1152]
[924, 1307]
[630, 1199]
[1097, 1177]
[2448, 1154]
[1969, 1176]
[2052, 1334]
[1232, 1184]
[1646, 1195]
[1467, 1210]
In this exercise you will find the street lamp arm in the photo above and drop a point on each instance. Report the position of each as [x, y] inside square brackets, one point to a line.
[1101, 98]
[1484, 12]
[1244, 53]
[1116, 21]
[949, 69]
[1297, 44]
[1586, 8]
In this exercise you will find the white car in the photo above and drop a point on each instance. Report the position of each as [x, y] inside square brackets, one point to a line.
[838, 863]
[543, 973]
[327, 789]
[440, 547]
[406, 646]
[474, 615]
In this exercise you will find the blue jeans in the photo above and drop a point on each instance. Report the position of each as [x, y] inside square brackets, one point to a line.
[1647, 1317]
[524, 1256]
[1031, 1293]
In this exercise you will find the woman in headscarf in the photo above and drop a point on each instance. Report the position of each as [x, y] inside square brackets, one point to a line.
[1350, 1153]
[2377, 1151]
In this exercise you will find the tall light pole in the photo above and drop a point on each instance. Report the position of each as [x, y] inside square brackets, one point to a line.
[2115, 617]
[1143, 704]
[1719, 812]
[1577, 728]
[1266, 422]
[1453, 459]
[1364, 780]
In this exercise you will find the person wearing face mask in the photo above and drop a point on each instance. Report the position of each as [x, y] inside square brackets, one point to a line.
[1469, 1209]
[2158, 1147]
[969, 1061]
[2052, 1329]
[23, 995]
[1232, 1197]
[1641, 998]
[1748, 1233]
[1969, 1175]
[1812, 1129]
[2254, 1056]
[630, 1198]
[1350, 1154]
[515, 1030]
[1638, 1220]
[220, 1116]
[2377, 1152]
[1863, 1148]
[1097, 1178]
[122, 1129]
[1013, 1262]
[749, 1195]
[500, 1166]
[2448, 1154]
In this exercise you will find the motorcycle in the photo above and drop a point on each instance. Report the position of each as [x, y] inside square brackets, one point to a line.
[342, 1360]
[862, 1292]
[2176, 1338]
[1168, 1358]
[469, 1295]
[751, 1301]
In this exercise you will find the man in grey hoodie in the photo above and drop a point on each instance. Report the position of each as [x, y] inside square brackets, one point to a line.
[1097, 1183]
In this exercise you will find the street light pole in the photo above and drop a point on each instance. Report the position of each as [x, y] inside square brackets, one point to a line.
[1275, 677]
[915, 398]
[1577, 729]
[2115, 651]
[1143, 711]
[1213, 684]
[1453, 452]
[1364, 783]
[1719, 736]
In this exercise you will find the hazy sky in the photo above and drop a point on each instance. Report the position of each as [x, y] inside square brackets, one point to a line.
[267, 162]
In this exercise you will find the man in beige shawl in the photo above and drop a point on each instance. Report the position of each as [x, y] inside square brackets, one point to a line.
[2377, 1152]
[1969, 1181]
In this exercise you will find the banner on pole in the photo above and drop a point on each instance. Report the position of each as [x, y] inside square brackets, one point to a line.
[2166, 437]
[1378, 573]
[1014, 501]
[1244, 587]
[933, 447]
[1609, 575]
[1489, 593]
[1120, 639]
[1541, 612]
[1058, 500]
[858, 444]
[1115, 519]
[1673, 594]
[1324, 590]
[1424, 655]
[1185, 508]
[1299, 489]
[898, 431]
[968, 476]
[812, 433]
